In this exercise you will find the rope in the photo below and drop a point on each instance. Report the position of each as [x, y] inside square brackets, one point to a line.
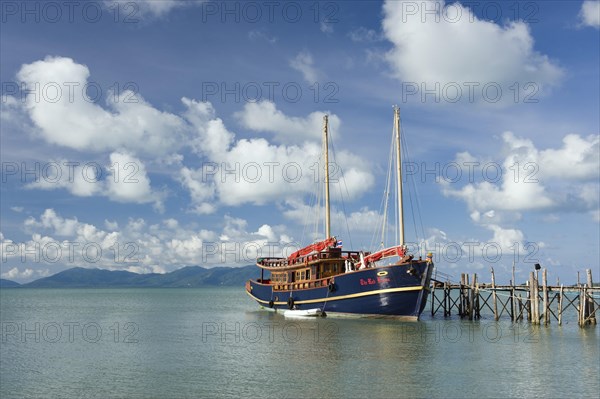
[311, 204]
[387, 190]
[317, 206]
[326, 297]
[343, 179]
[413, 192]
[378, 238]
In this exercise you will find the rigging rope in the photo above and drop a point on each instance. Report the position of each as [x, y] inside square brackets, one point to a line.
[343, 179]
[413, 191]
[387, 191]
[313, 202]
[378, 241]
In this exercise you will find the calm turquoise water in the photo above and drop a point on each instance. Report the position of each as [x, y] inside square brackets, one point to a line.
[217, 343]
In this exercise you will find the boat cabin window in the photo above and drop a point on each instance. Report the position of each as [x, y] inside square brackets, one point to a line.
[302, 275]
[330, 269]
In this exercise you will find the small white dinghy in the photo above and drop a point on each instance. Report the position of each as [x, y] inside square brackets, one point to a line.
[304, 313]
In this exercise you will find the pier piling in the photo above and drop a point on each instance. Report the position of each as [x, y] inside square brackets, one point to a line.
[590, 299]
[496, 316]
[545, 297]
[560, 305]
[473, 297]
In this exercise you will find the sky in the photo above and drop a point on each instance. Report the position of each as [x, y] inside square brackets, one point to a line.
[152, 135]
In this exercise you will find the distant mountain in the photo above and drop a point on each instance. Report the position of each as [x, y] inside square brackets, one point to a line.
[190, 276]
[79, 277]
[196, 276]
[8, 284]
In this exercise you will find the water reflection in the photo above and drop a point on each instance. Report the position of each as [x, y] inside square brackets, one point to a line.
[211, 343]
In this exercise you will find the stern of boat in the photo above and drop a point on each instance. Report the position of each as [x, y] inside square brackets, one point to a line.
[425, 284]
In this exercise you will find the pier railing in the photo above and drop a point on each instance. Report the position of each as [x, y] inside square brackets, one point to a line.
[469, 298]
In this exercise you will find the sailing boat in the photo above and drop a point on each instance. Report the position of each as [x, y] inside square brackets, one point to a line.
[347, 283]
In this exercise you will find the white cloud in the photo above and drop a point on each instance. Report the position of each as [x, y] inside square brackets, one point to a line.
[453, 45]
[254, 170]
[135, 9]
[508, 196]
[130, 132]
[326, 27]
[499, 250]
[507, 238]
[579, 158]
[58, 241]
[363, 222]
[17, 209]
[82, 179]
[14, 273]
[263, 116]
[590, 13]
[51, 222]
[129, 182]
[124, 179]
[536, 179]
[201, 191]
[111, 225]
[65, 116]
[364, 35]
[17, 275]
[261, 34]
[11, 112]
[303, 62]
[211, 135]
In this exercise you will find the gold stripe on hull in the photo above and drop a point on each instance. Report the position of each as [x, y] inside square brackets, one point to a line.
[349, 296]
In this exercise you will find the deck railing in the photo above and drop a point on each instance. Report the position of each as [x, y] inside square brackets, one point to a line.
[303, 285]
[308, 259]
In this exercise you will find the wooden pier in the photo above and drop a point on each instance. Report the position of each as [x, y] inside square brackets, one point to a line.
[469, 298]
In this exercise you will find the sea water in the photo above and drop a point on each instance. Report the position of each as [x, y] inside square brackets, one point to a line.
[217, 342]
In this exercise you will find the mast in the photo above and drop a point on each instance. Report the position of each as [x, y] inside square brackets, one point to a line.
[326, 156]
[399, 174]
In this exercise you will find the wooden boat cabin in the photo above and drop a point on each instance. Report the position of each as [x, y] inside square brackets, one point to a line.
[313, 270]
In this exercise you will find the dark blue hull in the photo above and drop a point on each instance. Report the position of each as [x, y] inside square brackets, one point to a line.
[388, 291]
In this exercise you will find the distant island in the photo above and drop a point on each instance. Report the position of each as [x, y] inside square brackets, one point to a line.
[186, 277]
